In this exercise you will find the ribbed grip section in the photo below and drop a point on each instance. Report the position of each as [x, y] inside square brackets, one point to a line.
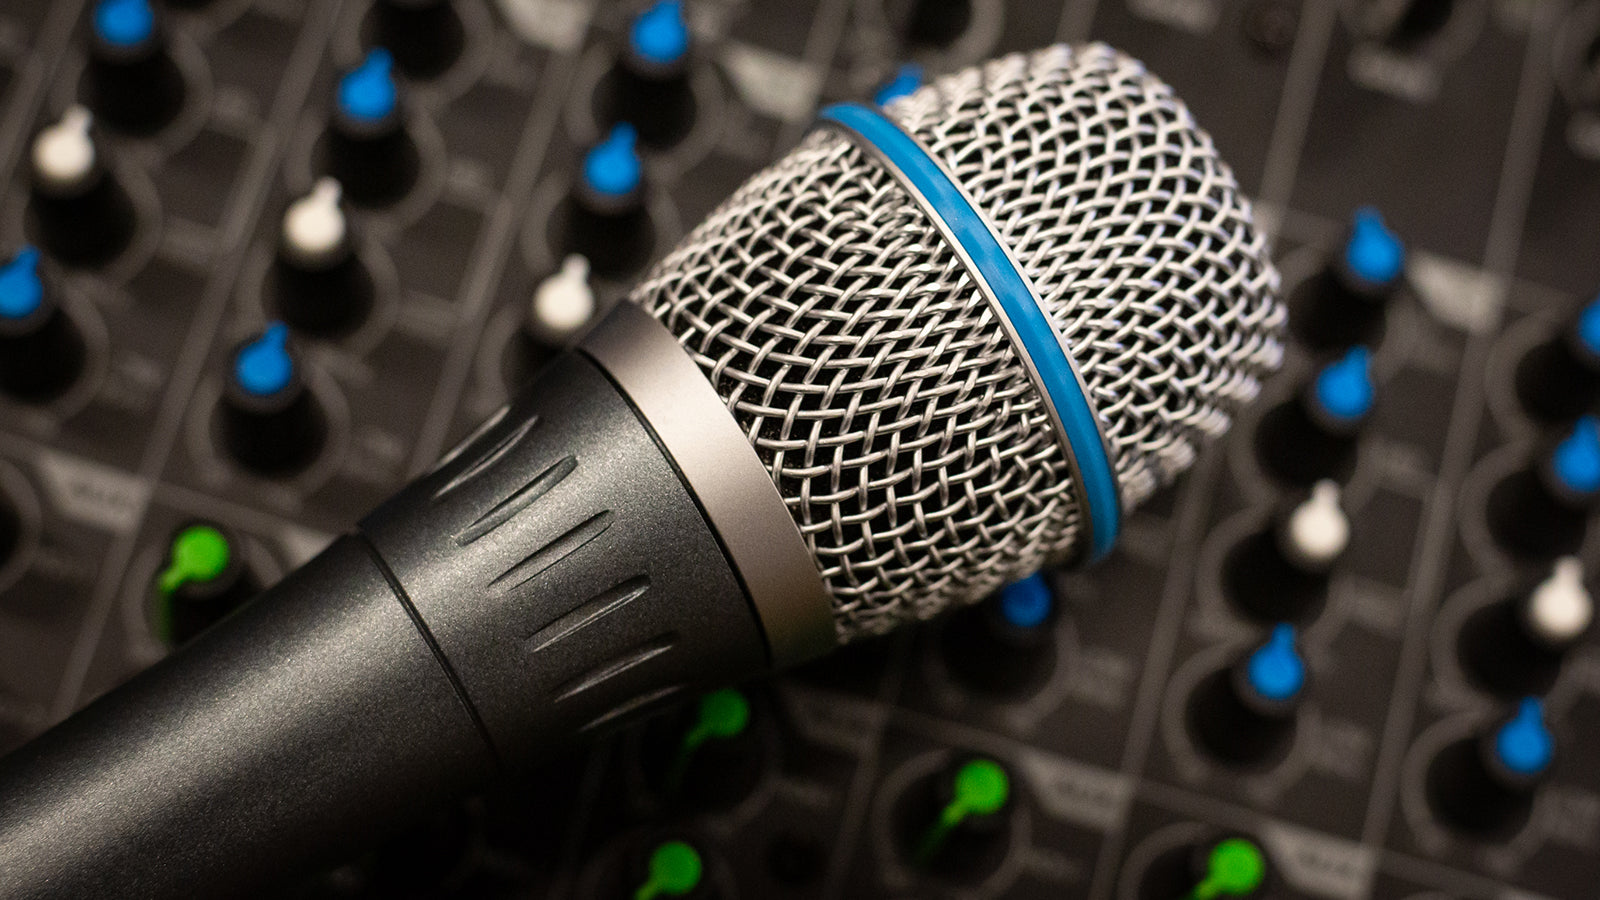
[562, 571]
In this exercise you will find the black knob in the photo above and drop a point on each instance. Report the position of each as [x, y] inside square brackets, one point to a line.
[1280, 573]
[1344, 302]
[1005, 645]
[80, 213]
[649, 86]
[1314, 435]
[709, 754]
[1542, 510]
[420, 860]
[41, 350]
[425, 36]
[203, 579]
[956, 823]
[1485, 785]
[10, 530]
[270, 421]
[132, 83]
[1404, 24]
[369, 149]
[604, 217]
[1559, 378]
[938, 23]
[1245, 714]
[320, 285]
[1515, 645]
[1213, 868]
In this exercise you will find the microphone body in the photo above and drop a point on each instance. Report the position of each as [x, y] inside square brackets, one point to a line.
[928, 352]
[555, 574]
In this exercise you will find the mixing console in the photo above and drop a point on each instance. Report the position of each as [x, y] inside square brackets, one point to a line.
[263, 260]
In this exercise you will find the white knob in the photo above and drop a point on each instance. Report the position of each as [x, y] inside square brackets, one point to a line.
[314, 226]
[563, 303]
[1318, 529]
[64, 154]
[1559, 609]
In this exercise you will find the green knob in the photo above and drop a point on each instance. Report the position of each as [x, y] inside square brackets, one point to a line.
[675, 869]
[1235, 868]
[981, 787]
[721, 715]
[199, 553]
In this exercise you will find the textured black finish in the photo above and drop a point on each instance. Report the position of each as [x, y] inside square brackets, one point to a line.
[550, 579]
[312, 719]
[564, 571]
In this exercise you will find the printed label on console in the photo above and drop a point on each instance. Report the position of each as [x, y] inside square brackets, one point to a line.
[1319, 864]
[1074, 792]
[557, 24]
[1193, 16]
[782, 87]
[91, 493]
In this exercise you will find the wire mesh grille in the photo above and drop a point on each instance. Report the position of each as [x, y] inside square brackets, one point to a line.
[881, 392]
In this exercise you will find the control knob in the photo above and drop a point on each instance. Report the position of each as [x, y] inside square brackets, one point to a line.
[1344, 302]
[938, 23]
[322, 288]
[649, 86]
[425, 36]
[1005, 645]
[1542, 510]
[1245, 714]
[203, 579]
[605, 219]
[77, 208]
[271, 422]
[1232, 866]
[369, 149]
[1516, 645]
[132, 82]
[1314, 435]
[41, 350]
[956, 824]
[1280, 573]
[1559, 379]
[1485, 785]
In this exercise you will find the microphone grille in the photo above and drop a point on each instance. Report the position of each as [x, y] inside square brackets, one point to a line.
[882, 392]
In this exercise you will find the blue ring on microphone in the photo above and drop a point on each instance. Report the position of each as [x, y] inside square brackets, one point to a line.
[1011, 289]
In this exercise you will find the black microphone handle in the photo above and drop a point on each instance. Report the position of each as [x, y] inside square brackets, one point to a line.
[550, 579]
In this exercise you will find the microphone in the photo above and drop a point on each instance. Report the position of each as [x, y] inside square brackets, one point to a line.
[932, 349]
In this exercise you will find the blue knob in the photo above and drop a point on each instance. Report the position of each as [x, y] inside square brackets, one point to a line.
[1589, 327]
[368, 92]
[1576, 460]
[906, 79]
[124, 23]
[263, 366]
[1027, 603]
[612, 167]
[1344, 388]
[1524, 745]
[1275, 671]
[1373, 252]
[660, 35]
[21, 291]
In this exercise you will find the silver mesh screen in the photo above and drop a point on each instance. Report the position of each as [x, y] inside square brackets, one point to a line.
[878, 388]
